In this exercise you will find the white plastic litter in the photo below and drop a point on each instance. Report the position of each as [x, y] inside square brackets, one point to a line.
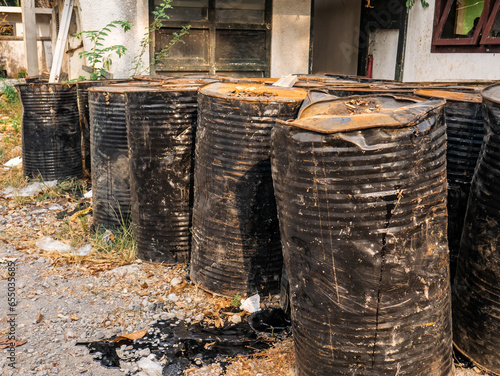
[14, 162]
[150, 367]
[84, 250]
[31, 190]
[252, 304]
[48, 244]
[286, 81]
[88, 194]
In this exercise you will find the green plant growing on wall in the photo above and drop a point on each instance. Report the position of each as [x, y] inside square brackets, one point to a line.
[159, 14]
[99, 57]
[410, 3]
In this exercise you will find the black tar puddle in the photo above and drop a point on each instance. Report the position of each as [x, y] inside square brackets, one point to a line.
[180, 346]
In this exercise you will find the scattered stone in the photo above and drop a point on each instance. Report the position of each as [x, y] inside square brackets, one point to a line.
[173, 298]
[150, 367]
[176, 281]
[31, 190]
[122, 271]
[235, 319]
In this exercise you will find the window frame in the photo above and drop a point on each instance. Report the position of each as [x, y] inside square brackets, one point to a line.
[478, 43]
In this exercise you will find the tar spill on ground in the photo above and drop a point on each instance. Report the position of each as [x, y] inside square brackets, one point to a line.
[179, 345]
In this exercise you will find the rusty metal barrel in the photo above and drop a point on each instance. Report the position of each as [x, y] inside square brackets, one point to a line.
[83, 110]
[476, 290]
[465, 132]
[50, 131]
[109, 154]
[360, 186]
[161, 124]
[236, 245]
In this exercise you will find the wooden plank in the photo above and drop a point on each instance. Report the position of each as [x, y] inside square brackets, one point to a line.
[29, 32]
[61, 41]
[4, 9]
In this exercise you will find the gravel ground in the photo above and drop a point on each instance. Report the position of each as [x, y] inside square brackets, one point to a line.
[62, 303]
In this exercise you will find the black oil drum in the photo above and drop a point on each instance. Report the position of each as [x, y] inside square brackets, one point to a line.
[109, 152]
[476, 291]
[360, 186]
[161, 124]
[465, 132]
[236, 246]
[50, 131]
[83, 109]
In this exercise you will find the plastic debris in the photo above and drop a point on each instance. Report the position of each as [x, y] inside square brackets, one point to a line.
[48, 244]
[252, 304]
[286, 81]
[29, 191]
[84, 250]
[14, 162]
[88, 194]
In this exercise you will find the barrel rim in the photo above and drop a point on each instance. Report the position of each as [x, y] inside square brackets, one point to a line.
[219, 90]
[153, 87]
[405, 116]
[492, 93]
[449, 95]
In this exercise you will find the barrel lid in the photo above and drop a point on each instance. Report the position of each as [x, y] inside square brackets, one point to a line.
[492, 93]
[144, 87]
[450, 95]
[253, 93]
[361, 112]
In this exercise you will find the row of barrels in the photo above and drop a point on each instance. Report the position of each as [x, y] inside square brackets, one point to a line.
[362, 187]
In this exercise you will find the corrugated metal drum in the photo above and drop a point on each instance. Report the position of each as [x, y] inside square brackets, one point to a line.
[465, 131]
[476, 291]
[50, 131]
[360, 185]
[109, 152]
[83, 109]
[161, 124]
[236, 245]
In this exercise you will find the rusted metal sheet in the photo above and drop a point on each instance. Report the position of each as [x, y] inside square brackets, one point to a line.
[50, 131]
[236, 245]
[363, 225]
[161, 124]
[476, 291]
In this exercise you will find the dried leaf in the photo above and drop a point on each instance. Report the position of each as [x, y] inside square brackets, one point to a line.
[39, 318]
[74, 318]
[79, 214]
[208, 345]
[178, 288]
[8, 343]
[130, 336]
[144, 285]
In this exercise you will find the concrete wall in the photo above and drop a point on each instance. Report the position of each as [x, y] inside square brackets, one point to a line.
[290, 37]
[90, 15]
[336, 36]
[422, 65]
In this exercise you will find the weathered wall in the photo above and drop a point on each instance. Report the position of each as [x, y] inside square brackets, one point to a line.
[336, 36]
[384, 48]
[290, 37]
[12, 47]
[422, 65]
[94, 16]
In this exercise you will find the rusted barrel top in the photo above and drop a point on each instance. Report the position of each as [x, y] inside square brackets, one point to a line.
[246, 92]
[492, 93]
[364, 112]
[449, 95]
